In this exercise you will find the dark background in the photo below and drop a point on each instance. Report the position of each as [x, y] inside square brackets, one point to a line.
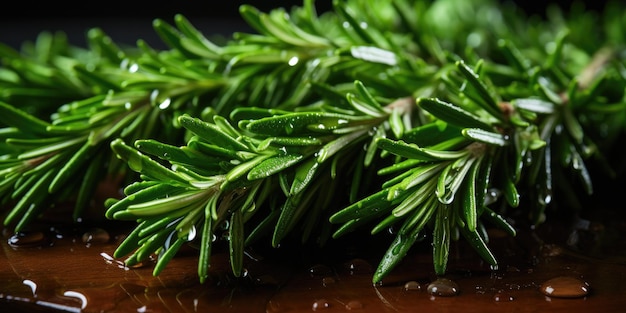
[127, 21]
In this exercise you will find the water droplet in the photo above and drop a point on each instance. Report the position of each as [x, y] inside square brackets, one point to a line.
[320, 270]
[96, 235]
[293, 61]
[133, 68]
[503, 297]
[320, 304]
[354, 305]
[245, 272]
[480, 290]
[165, 104]
[359, 266]
[412, 285]
[319, 126]
[474, 39]
[289, 128]
[193, 232]
[394, 194]
[153, 95]
[491, 196]
[565, 287]
[545, 196]
[124, 64]
[443, 287]
[135, 162]
[558, 129]
[370, 133]
[28, 239]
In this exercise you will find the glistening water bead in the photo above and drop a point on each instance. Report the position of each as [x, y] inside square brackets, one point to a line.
[412, 285]
[96, 235]
[443, 287]
[565, 287]
[320, 304]
[28, 239]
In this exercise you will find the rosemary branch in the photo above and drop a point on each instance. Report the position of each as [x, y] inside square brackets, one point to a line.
[375, 114]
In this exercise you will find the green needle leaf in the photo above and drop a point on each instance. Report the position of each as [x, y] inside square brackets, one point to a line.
[236, 242]
[486, 98]
[10, 115]
[477, 242]
[141, 163]
[211, 133]
[396, 252]
[470, 205]
[534, 105]
[363, 207]
[167, 255]
[452, 114]
[273, 165]
[441, 239]
[485, 136]
[499, 221]
[141, 195]
[70, 168]
[304, 174]
[412, 151]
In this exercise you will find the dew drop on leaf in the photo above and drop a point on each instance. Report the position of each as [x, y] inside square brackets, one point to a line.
[135, 164]
[289, 128]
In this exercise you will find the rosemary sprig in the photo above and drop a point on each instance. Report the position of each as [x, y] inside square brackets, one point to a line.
[456, 125]
[227, 173]
[105, 102]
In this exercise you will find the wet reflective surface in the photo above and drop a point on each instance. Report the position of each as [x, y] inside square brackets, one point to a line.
[578, 266]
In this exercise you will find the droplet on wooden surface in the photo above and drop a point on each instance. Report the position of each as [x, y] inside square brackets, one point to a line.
[565, 287]
[443, 287]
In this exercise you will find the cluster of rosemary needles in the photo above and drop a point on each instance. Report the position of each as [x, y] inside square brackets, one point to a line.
[432, 119]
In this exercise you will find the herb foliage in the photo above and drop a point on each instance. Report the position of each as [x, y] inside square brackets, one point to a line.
[376, 114]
